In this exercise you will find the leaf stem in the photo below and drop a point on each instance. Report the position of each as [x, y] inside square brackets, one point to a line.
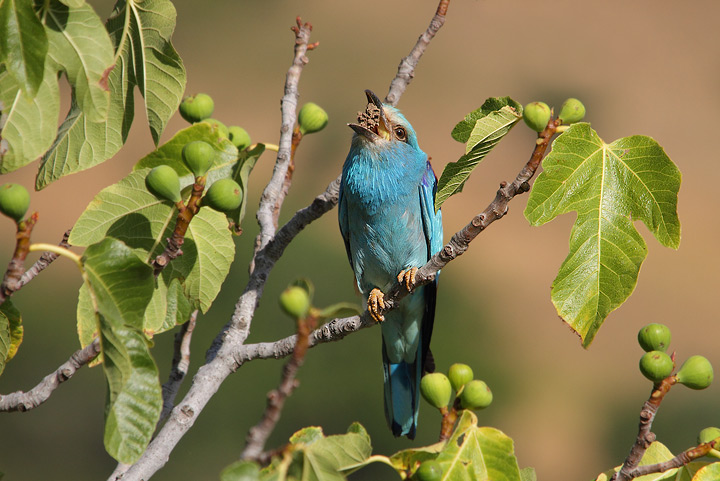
[61, 251]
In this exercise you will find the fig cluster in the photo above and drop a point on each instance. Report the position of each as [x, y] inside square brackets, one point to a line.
[437, 388]
[656, 365]
[14, 201]
[223, 195]
[537, 114]
[199, 108]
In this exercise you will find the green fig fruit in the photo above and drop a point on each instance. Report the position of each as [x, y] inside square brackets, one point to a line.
[216, 124]
[14, 201]
[295, 301]
[572, 111]
[536, 115]
[436, 389]
[199, 156]
[429, 470]
[476, 395]
[312, 118]
[656, 365]
[197, 108]
[708, 434]
[224, 195]
[695, 373]
[239, 137]
[654, 337]
[459, 375]
[163, 181]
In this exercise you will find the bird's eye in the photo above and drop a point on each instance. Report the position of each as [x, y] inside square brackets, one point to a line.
[400, 133]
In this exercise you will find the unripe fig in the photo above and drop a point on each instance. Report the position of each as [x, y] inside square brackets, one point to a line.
[695, 373]
[572, 111]
[656, 365]
[459, 375]
[196, 108]
[216, 124]
[654, 337]
[163, 181]
[536, 115]
[429, 470]
[224, 195]
[708, 434]
[435, 388]
[199, 156]
[239, 137]
[476, 395]
[14, 201]
[312, 118]
[295, 301]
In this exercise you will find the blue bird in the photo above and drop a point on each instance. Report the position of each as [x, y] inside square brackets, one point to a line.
[390, 227]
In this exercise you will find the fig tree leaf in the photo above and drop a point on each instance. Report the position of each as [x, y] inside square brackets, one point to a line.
[528, 474]
[241, 173]
[120, 286]
[143, 30]
[134, 397]
[481, 130]
[478, 453]
[31, 122]
[241, 471]
[121, 283]
[80, 46]
[23, 44]
[73, 3]
[4, 340]
[127, 211]
[710, 472]
[15, 329]
[144, 58]
[609, 186]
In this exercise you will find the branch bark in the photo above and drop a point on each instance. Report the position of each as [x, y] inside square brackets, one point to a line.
[25, 401]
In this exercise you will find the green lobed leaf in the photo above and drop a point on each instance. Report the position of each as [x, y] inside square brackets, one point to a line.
[121, 283]
[134, 397]
[609, 186]
[31, 122]
[4, 340]
[15, 330]
[241, 172]
[711, 472]
[143, 31]
[144, 58]
[482, 130]
[80, 46]
[23, 44]
[241, 471]
[73, 3]
[528, 474]
[127, 211]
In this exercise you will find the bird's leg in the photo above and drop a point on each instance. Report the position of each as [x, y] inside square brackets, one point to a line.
[408, 277]
[375, 303]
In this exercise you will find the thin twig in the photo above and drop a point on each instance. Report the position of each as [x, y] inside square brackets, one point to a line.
[180, 365]
[680, 460]
[25, 401]
[44, 261]
[406, 69]
[16, 267]
[645, 436]
[259, 434]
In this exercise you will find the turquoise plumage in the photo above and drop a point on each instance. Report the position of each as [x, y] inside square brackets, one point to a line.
[390, 228]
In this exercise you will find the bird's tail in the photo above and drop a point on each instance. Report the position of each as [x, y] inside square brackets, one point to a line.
[402, 395]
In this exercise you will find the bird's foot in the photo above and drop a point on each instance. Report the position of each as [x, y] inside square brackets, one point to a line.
[408, 277]
[376, 302]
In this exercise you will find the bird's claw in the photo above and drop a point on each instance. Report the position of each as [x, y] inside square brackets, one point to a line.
[376, 302]
[408, 277]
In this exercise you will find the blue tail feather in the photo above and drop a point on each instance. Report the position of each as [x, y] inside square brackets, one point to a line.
[402, 395]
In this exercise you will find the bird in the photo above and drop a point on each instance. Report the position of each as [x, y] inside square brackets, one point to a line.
[390, 227]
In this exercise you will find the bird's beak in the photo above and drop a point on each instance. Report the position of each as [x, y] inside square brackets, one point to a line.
[372, 123]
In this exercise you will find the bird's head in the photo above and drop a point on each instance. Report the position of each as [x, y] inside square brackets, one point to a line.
[383, 126]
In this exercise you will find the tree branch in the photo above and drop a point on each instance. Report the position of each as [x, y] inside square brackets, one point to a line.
[680, 460]
[45, 260]
[180, 365]
[25, 401]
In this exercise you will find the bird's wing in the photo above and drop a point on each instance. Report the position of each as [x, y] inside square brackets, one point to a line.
[432, 227]
[344, 226]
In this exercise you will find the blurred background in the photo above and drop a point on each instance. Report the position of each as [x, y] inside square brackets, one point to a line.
[642, 67]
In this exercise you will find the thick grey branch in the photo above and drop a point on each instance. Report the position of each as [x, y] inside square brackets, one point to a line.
[25, 401]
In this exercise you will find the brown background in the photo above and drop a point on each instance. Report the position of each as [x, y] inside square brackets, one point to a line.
[640, 67]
